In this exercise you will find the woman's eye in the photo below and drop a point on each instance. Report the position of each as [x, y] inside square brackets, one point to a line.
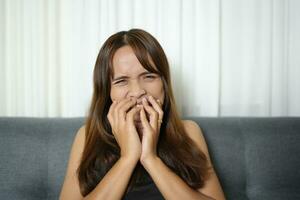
[149, 77]
[120, 82]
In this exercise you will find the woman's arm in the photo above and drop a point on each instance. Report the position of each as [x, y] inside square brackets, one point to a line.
[115, 182]
[170, 184]
[70, 188]
[112, 186]
[212, 186]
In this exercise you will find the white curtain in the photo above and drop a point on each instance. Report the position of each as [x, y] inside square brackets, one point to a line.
[228, 57]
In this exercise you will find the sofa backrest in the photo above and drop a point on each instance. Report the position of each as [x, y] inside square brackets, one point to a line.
[34, 153]
[255, 158]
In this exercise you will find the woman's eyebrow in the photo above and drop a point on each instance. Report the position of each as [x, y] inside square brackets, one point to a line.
[125, 77]
[144, 73]
[120, 77]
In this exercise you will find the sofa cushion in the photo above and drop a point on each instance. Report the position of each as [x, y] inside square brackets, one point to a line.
[23, 156]
[34, 153]
[272, 158]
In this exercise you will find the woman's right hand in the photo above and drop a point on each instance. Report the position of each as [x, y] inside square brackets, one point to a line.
[121, 118]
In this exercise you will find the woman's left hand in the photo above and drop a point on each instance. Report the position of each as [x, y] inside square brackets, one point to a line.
[151, 128]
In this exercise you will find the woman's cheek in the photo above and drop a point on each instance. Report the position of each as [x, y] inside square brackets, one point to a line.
[117, 94]
[158, 93]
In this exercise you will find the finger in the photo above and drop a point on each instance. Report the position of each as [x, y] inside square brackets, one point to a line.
[157, 108]
[118, 106]
[122, 102]
[110, 116]
[132, 112]
[153, 114]
[159, 103]
[123, 110]
[110, 111]
[144, 118]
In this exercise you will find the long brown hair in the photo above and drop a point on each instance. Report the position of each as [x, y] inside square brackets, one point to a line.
[101, 150]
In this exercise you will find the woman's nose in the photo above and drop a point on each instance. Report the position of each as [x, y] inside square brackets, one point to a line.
[136, 90]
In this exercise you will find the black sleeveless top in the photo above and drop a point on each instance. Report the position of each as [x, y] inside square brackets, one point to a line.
[145, 190]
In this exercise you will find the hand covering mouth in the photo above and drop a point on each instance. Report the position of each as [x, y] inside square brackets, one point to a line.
[137, 118]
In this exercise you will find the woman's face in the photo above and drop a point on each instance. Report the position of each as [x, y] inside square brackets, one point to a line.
[131, 79]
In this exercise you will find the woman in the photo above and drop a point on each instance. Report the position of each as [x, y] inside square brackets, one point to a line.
[133, 144]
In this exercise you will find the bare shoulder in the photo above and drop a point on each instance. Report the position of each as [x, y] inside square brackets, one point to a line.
[192, 128]
[70, 188]
[79, 139]
[190, 124]
[194, 131]
[80, 135]
[212, 186]
[78, 146]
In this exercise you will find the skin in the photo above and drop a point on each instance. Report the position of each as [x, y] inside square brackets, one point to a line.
[136, 123]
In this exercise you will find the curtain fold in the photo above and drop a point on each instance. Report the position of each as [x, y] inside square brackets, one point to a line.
[227, 57]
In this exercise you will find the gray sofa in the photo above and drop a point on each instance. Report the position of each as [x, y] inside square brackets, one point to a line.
[255, 158]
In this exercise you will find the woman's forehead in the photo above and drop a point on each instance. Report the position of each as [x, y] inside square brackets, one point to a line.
[125, 62]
